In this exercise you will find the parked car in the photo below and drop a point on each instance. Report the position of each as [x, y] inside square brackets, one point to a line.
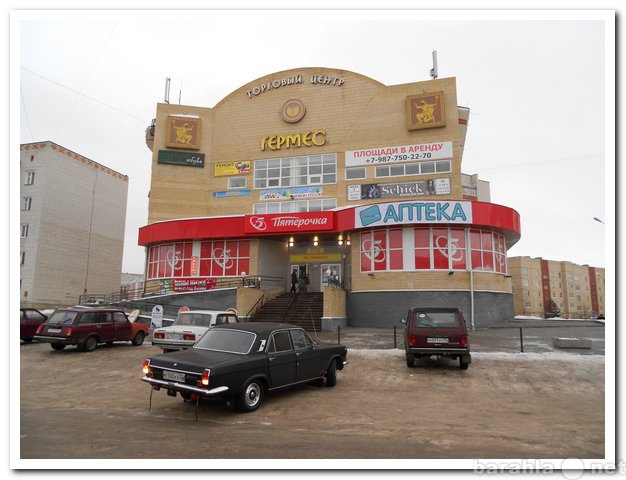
[87, 327]
[30, 319]
[242, 362]
[189, 327]
[436, 331]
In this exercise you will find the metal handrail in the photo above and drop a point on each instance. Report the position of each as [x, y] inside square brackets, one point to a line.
[290, 305]
[249, 281]
[256, 306]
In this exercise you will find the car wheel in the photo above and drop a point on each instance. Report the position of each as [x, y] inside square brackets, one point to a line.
[331, 374]
[410, 360]
[57, 346]
[139, 338]
[250, 396]
[90, 344]
[186, 396]
[27, 340]
[464, 365]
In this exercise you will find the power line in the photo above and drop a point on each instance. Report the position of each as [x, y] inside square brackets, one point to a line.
[61, 123]
[142, 120]
[578, 158]
[26, 115]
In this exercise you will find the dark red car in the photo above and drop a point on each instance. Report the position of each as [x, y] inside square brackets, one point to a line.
[30, 319]
[87, 327]
[436, 331]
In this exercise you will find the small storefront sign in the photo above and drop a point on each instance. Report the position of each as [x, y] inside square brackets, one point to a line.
[294, 193]
[315, 257]
[244, 192]
[288, 222]
[176, 285]
[368, 191]
[230, 169]
[185, 159]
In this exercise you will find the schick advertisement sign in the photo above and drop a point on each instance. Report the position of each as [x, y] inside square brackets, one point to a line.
[398, 213]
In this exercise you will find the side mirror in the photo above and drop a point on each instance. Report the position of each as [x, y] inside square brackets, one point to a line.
[403, 320]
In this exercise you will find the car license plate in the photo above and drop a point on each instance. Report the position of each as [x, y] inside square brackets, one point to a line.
[174, 336]
[174, 376]
[54, 330]
[437, 340]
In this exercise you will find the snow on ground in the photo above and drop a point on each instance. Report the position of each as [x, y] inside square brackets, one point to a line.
[518, 356]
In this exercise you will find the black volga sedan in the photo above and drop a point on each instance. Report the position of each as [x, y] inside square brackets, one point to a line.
[241, 362]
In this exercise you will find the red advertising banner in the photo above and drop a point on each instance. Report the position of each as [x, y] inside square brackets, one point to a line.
[288, 222]
[192, 284]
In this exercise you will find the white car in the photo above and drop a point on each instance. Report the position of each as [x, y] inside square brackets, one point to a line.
[189, 327]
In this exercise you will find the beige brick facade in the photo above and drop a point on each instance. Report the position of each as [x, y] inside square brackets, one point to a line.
[363, 113]
[275, 131]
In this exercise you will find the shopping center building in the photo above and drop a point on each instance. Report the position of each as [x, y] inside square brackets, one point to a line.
[355, 184]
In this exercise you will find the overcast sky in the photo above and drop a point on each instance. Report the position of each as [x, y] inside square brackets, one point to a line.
[537, 86]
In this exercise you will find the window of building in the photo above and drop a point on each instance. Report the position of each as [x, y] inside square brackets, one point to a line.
[22, 258]
[434, 248]
[524, 271]
[170, 260]
[357, 173]
[295, 171]
[24, 230]
[237, 182]
[223, 258]
[381, 250]
[524, 282]
[295, 206]
[27, 203]
[405, 169]
[30, 177]
[488, 251]
[449, 249]
[217, 258]
[527, 304]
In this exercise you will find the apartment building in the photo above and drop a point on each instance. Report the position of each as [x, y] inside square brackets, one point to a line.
[577, 290]
[72, 221]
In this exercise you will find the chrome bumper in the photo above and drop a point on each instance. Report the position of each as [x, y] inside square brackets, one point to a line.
[188, 388]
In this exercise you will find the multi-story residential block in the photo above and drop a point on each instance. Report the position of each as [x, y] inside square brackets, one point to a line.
[577, 290]
[72, 218]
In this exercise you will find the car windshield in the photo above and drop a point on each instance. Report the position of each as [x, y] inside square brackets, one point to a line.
[62, 318]
[195, 319]
[231, 341]
[436, 320]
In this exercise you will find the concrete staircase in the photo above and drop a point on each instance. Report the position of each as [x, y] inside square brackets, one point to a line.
[306, 311]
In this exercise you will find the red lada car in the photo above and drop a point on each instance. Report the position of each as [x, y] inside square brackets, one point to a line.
[87, 327]
[436, 331]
